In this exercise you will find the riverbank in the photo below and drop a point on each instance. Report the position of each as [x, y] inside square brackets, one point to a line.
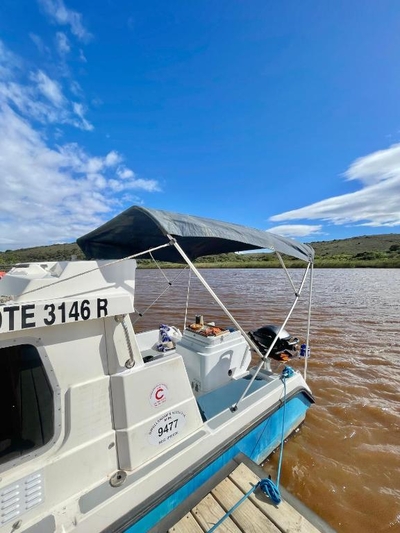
[372, 251]
[319, 263]
[324, 263]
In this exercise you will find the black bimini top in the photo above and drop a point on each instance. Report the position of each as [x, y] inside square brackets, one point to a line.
[138, 229]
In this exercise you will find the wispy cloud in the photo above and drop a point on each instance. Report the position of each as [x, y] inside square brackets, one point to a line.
[52, 193]
[38, 41]
[375, 204]
[62, 43]
[75, 88]
[9, 62]
[80, 110]
[41, 98]
[59, 14]
[82, 57]
[124, 173]
[49, 88]
[297, 230]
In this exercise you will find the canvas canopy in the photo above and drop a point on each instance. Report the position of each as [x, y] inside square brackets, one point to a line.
[138, 228]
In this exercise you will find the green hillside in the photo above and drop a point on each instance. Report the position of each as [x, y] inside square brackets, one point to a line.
[54, 252]
[364, 251]
[357, 245]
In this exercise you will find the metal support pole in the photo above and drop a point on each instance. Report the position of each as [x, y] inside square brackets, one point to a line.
[308, 323]
[218, 301]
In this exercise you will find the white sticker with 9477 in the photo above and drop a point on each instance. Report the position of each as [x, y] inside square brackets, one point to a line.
[16, 317]
[167, 427]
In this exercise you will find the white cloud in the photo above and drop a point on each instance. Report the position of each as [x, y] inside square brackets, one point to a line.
[27, 100]
[375, 204]
[113, 158]
[43, 49]
[54, 109]
[60, 14]
[51, 193]
[139, 184]
[75, 88]
[125, 173]
[80, 110]
[62, 43]
[49, 88]
[296, 230]
[82, 57]
[38, 98]
[9, 62]
[376, 167]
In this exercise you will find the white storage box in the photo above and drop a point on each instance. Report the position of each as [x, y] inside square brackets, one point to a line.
[215, 360]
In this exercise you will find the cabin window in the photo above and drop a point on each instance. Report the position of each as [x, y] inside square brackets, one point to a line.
[26, 399]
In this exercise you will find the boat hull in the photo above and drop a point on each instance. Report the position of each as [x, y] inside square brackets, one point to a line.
[257, 443]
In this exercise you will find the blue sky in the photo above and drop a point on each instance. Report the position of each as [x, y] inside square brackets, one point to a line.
[277, 115]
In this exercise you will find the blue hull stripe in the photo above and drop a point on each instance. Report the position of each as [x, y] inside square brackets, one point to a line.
[257, 445]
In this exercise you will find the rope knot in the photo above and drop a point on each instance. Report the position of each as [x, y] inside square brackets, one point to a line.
[271, 490]
[287, 372]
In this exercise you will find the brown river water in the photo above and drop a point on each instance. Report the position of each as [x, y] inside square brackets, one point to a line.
[344, 461]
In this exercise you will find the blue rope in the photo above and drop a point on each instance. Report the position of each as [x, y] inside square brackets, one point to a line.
[268, 487]
[228, 513]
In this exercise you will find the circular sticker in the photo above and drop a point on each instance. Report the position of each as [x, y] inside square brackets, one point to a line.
[159, 395]
[167, 427]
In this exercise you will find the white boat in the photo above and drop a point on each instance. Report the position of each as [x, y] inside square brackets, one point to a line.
[106, 429]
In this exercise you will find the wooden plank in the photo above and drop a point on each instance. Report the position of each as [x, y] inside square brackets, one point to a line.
[284, 516]
[187, 524]
[208, 512]
[247, 516]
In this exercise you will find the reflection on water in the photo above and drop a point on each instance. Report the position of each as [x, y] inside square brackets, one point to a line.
[344, 462]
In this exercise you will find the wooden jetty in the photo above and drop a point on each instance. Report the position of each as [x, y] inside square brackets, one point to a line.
[256, 514]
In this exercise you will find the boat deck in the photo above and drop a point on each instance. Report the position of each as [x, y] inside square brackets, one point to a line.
[256, 514]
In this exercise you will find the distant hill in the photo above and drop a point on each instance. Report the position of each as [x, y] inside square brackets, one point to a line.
[357, 245]
[54, 252]
[363, 251]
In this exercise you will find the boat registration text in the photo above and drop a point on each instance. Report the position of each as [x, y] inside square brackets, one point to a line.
[36, 315]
